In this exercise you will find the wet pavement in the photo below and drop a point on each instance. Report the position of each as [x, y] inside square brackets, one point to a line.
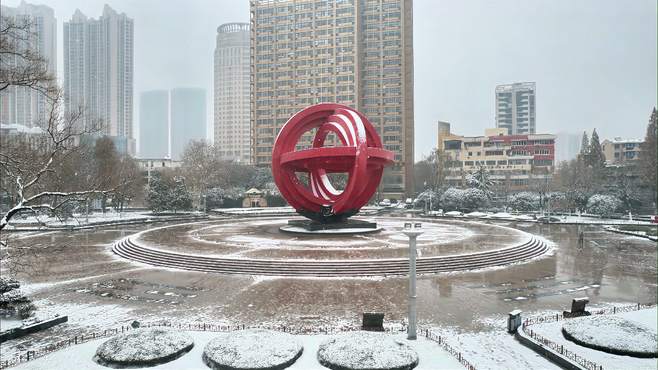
[261, 238]
[75, 273]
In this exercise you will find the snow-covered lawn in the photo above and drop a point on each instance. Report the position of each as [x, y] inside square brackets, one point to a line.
[613, 333]
[80, 219]
[143, 347]
[553, 331]
[252, 349]
[431, 356]
[367, 350]
[494, 349]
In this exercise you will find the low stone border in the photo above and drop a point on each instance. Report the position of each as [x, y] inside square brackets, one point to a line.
[627, 232]
[143, 348]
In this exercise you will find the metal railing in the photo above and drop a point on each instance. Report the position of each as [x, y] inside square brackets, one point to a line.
[448, 348]
[559, 348]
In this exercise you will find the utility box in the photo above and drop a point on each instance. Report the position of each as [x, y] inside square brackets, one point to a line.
[578, 308]
[513, 321]
[373, 321]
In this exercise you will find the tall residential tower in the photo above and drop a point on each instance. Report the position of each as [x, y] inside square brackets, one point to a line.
[515, 108]
[154, 124]
[232, 67]
[22, 105]
[98, 73]
[188, 118]
[353, 52]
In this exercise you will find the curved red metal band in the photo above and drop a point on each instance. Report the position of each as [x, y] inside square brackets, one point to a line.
[361, 156]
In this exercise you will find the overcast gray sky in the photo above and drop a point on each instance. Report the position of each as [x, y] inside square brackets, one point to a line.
[594, 61]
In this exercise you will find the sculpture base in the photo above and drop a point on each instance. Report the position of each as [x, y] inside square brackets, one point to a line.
[336, 228]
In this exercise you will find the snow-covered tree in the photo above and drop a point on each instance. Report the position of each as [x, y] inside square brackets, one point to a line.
[452, 199]
[474, 199]
[481, 180]
[648, 161]
[158, 197]
[524, 201]
[602, 204]
[427, 197]
[13, 300]
[596, 158]
[584, 146]
[464, 200]
[180, 197]
[271, 189]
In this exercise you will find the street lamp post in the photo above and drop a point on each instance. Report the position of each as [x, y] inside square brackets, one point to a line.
[412, 230]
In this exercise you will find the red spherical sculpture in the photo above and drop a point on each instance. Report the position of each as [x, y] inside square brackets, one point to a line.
[361, 156]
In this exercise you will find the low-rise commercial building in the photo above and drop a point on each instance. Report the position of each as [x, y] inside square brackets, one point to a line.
[618, 150]
[514, 161]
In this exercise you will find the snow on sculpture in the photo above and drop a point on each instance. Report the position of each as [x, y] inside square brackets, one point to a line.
[361, 156]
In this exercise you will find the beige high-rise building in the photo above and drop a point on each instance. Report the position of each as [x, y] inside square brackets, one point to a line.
[22, 105]
[232, 133]
[353, 52]
[98, 73]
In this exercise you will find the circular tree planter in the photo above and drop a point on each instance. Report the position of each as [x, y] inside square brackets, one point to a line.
[253, 349]
[366, 350]
[143, 348]
[612, 334]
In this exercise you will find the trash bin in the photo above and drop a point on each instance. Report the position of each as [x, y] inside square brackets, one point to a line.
[513, 321]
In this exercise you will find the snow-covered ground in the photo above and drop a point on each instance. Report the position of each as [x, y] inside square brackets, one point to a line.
[80, 219]
[494, 350]
[431, 356]
[647, 317]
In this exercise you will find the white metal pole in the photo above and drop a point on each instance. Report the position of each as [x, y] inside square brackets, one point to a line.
[411, 332]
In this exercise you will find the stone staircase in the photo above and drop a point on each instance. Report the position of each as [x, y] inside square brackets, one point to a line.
[132, 250]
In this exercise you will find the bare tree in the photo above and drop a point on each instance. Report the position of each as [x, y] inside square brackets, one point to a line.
[28, 167]
[20, 62]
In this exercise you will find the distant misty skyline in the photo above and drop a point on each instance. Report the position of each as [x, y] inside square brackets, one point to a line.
[594, 61]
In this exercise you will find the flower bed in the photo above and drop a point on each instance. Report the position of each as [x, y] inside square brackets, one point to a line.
[252, 349]
[612, 334]
[143, 348]
[366, 350]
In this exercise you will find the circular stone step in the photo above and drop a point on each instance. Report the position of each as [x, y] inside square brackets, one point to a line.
[252, 349]
[143, 348]
[367, 350]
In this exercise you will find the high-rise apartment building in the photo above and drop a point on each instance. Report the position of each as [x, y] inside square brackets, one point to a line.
[188, 118]
[154, 124]
[98, 72]
[232, 132]
[567, 146]
[515, 108]
[353, 52]
[22, 105]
